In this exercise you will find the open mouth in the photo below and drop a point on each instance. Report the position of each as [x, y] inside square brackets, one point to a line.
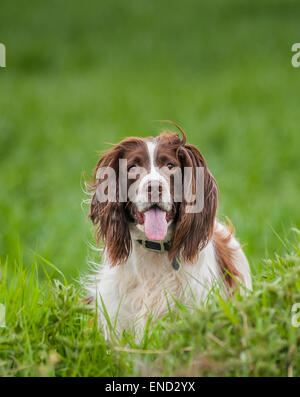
[155, 221]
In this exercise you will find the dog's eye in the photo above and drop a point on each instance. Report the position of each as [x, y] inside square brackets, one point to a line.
[132, 168]
[170, 166]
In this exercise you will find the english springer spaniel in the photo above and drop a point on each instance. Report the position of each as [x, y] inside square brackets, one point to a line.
[154, 207]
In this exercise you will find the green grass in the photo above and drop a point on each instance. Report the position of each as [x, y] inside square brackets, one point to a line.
[50, 332]
[81, 75]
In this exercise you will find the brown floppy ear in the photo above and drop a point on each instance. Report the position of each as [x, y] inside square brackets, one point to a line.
[194, 230]
[110, 217]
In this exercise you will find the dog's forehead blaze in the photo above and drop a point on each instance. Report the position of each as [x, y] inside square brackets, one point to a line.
[149, 152]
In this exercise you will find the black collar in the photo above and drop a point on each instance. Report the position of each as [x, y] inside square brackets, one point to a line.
[155, 246]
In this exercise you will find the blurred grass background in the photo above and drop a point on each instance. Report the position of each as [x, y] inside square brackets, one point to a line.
[80, 74]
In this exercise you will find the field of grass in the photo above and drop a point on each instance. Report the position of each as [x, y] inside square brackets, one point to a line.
[50, 332]
[79, 76]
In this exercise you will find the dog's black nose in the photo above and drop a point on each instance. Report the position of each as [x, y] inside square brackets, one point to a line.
[154, 189]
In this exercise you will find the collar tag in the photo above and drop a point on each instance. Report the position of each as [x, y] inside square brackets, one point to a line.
[175, 264]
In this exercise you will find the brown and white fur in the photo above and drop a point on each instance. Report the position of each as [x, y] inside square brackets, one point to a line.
[134, 282]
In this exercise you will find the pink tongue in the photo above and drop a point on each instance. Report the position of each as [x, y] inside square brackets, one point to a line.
[156, 225]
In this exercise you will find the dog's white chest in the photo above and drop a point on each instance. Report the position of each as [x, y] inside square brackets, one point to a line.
[147, 285]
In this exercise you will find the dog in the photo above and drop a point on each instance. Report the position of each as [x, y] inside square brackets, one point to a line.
[157, 249]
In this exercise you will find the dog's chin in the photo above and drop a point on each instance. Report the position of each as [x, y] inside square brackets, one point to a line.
[153, 222]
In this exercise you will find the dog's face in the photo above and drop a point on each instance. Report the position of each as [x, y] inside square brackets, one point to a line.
[151, 184]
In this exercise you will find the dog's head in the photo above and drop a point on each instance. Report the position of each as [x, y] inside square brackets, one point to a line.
[160, 187]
